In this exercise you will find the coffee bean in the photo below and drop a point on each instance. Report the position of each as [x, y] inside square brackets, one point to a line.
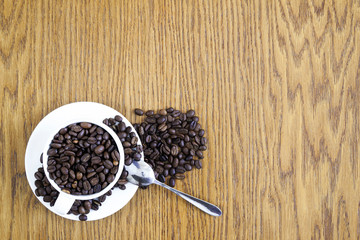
[41, 191]
[85, 125]
[99, 149]
[87, 205]
[81, 210]
[86, 185]
[161, 119]
[81, 168]
[174, 150]
[94, 207]
[110, 178]
[139, 112]
[47, 198]
[86, 157]
[97, 188]
[52, 152]
[55, 145]
[180, 169]
[198, 164]
[39, 183]
[90, 175]
[172, 182]
[94, 181]
[108, 164]
[102, 198]
[161, 178]
[79, 175]
[82, 217]
[39, 175]
[179, 176]
[190, 113]
[64, 170]
[51, 169]
[199, 154]
[188, 167]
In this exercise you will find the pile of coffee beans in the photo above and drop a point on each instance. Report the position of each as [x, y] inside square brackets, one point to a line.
[81, 208]
[173, 142]
[128, 139]
[83, 159]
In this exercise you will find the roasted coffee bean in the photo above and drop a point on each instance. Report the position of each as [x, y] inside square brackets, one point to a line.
[188, 167]
[97, 188]
[39, 183]
[179, 176]
[139, 112]
[199, 154]
[202, 148]
[99, 149]
[160, 120]
[81, 168]
[180, 169]
[102, 198]
[99, 169]
[94, 181]
[110, 178]
[161, 178]
[108, 164]
[95, 160]
[55, 145]
[174, 150]
[47, 198]
[82, 217]
[41, 191]
[39, 175]
[81, 210]
[52, 152]
[102, 177]
[64, 170]
[86, 185]
[86, 157]
[106, 171]
[79, 175]
[95, 207]
[198, 164]
[172, 182]
[190, 113]
[90, 175]
[51, 169]
[87, 205]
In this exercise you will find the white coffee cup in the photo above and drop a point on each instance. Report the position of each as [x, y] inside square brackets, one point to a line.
[65, 200]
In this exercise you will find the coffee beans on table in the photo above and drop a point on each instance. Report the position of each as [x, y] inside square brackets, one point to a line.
[81, 208]
[173, 142]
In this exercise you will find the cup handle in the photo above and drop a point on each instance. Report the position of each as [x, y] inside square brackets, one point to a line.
[63, 203]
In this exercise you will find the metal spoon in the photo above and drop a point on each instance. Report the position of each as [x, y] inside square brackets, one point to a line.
[141, 174]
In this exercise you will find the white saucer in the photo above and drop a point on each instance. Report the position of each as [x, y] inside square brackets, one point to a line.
[48, 125]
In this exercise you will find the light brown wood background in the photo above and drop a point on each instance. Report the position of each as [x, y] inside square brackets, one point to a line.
[276, 85]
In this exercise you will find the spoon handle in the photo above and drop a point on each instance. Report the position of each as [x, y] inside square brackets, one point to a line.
[201, 204]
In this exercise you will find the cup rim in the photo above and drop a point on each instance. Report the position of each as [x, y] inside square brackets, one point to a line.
[119, 147]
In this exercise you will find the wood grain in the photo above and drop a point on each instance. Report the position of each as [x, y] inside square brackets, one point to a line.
[275, 83]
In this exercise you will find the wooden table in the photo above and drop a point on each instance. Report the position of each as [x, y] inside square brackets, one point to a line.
[276, 85]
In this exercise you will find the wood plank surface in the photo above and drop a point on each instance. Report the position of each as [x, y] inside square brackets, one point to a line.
[275, 83]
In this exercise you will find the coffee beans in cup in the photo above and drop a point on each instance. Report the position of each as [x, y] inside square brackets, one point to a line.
[82, 208]
[82, 159]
